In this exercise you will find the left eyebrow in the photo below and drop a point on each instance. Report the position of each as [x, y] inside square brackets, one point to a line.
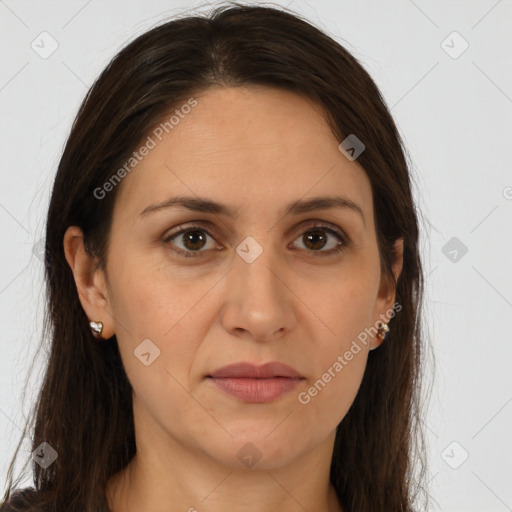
[324, 203]
[205, 205]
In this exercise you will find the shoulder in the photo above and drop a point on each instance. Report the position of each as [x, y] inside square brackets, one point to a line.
[20, 500]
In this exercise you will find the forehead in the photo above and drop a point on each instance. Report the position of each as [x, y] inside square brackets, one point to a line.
[252, 148]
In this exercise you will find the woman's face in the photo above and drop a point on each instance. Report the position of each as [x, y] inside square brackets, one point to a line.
[250, 281]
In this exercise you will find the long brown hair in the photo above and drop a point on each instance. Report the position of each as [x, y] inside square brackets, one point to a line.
[84, 407]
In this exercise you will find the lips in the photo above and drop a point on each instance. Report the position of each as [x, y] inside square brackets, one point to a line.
[251, 371]
[256, 384]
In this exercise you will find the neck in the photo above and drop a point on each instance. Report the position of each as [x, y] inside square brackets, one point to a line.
[181, 480]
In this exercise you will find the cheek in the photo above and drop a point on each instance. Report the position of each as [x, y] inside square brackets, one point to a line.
[339, 361]
[174, 311]
[340, 350]
[153, 293]
[327, 398]
[344, 309]
[160, 398]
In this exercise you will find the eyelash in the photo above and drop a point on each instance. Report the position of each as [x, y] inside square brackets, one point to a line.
[325, 227]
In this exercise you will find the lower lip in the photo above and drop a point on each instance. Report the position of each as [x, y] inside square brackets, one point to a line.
[256, 390]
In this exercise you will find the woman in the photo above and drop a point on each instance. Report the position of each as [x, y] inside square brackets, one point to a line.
[234, 282]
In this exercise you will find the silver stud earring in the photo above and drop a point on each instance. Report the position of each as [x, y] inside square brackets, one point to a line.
[96, 328]
[383, 330]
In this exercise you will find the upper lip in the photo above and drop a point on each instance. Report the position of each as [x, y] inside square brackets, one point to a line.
[250, 370]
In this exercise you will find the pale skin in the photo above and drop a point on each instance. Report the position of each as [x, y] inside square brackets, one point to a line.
[254, 149]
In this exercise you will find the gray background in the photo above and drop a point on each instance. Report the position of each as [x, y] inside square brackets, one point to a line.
[454, 110]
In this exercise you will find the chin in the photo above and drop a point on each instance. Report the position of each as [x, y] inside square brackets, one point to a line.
[256, 449]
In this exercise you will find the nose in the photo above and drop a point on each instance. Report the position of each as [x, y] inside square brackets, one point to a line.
[259, 303]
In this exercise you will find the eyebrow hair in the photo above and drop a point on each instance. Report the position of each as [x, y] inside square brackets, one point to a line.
[205, 205]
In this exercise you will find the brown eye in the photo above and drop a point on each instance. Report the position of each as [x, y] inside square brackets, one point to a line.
[193, 240]
[316, 239]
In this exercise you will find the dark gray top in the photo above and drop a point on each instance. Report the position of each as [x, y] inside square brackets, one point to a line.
[20, 500]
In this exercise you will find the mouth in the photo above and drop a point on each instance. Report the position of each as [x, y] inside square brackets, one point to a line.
[256, 384]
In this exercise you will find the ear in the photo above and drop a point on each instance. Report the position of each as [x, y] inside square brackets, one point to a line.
[387, 292]
[90, 281]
